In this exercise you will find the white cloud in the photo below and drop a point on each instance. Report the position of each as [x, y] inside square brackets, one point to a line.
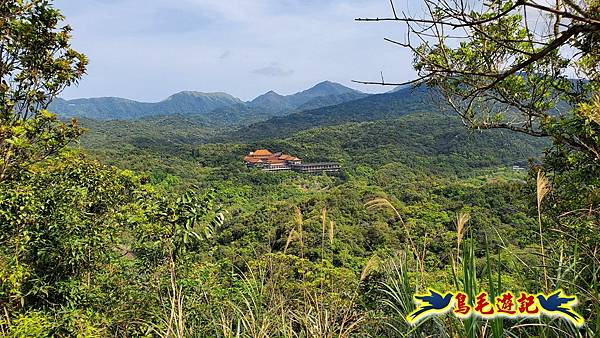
[274, 70]
[148, 50]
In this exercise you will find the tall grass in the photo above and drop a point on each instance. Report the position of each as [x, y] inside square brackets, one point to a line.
[268, 304]
[264, 307]
[542, 189]
[477, 276]
[382, 203]
[289, 296]
[461, 222]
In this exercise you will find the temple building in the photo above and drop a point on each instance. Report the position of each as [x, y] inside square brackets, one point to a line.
[268, 161]
[328, 167]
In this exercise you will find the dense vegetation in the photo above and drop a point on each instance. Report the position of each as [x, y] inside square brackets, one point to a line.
[427, 142]
[371, 108]
[427, 165]
[154, 227]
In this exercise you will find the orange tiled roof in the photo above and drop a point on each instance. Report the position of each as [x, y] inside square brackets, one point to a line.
[274, 161]
[262, 152]
[252, 160]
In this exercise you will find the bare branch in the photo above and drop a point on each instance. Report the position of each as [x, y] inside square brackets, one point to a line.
[564, 37]
[575, 7]
[393, 9]
[382, 83]
[565, 14]
[451, 24]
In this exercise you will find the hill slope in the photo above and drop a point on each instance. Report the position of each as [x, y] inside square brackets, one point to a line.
[423, 141]
[370, 108]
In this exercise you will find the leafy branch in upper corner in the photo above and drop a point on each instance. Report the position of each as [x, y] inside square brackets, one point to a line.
[36, 63]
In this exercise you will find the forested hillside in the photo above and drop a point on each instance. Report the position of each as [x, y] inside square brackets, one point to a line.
[142, 219]
[427, 165]
[371, 108]
[431, 142]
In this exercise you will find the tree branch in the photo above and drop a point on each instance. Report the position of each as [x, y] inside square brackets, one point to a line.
[382, 83]
[556, 43]
[454, 25]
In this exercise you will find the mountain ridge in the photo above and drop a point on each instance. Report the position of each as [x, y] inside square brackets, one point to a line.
[369, 108]
[201, 103]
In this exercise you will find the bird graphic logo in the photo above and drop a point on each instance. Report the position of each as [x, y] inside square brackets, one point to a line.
[428, 304]
[559, 304]
[506, 305]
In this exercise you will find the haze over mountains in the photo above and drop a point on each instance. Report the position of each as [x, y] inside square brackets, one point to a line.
[212, 106]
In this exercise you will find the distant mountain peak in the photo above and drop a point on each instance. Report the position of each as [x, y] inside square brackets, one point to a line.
[110, 108]
[271, 101]
[197, 94]
[269, 94]
[326, 88]
[333, 85]
[194, 102]
[328, 83]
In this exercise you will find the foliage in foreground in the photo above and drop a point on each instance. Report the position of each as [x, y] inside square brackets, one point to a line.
[92, 251]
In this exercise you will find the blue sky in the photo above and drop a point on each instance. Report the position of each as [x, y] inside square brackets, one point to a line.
[147, 50]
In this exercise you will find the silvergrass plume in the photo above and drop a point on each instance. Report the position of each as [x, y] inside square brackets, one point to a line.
[461, 221]
[370, 266]
[542, 189]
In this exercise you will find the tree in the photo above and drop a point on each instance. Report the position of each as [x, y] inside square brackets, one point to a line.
[532, 67]
[36, 64]
[57, 229]
[520, 65]
[497, 69]
[69, 225]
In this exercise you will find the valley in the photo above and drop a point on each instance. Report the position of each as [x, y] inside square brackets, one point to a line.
[459, 197]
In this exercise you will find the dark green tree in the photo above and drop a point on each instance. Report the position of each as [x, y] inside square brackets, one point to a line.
[36, 64]
[76, 238]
